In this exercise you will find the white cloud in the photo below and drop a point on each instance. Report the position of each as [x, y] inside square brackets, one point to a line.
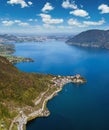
[47, 7]
[47, 19]
[7, 23]
[75, 22]
[66, 4]
[76, 11]
[104, 8]
[17, 21]
[23, 24]
[32, 20]
[21, 2]
[88, 23]
[30, 3]
[79, 12]
[12, 22]
[48, 26]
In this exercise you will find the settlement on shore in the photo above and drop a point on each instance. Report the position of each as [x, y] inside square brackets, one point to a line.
[58, 82]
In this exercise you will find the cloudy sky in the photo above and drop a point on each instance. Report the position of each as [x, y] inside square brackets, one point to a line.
[53, 16]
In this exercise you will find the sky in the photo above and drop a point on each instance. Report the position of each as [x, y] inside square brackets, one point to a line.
[53, 16]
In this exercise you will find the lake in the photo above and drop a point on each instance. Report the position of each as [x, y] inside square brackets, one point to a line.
[75, 108]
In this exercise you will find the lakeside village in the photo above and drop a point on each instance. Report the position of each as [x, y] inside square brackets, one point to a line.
[60, 81]
[57, 82]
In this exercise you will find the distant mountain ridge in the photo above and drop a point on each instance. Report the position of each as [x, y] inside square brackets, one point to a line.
[91, 38]
[4, 38]
[9, 38]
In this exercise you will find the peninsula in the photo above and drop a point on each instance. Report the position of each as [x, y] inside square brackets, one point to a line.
[23, 96]
[6, 50]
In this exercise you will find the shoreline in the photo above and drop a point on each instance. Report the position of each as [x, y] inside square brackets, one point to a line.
[38, 113]
[58, 82]
[7, 51]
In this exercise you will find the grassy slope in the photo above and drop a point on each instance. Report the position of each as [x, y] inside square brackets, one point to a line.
[18, 89]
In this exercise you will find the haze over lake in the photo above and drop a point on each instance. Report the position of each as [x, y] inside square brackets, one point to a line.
[75, 108]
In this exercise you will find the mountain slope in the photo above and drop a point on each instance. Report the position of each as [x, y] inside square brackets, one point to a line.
[91, 38]
[18, 89]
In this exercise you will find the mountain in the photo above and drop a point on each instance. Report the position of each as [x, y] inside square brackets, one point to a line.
[91, 38]
[18, 89]
[7, 48]
[8, 38]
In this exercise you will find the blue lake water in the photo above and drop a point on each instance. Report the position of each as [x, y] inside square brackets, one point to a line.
[75, 108]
